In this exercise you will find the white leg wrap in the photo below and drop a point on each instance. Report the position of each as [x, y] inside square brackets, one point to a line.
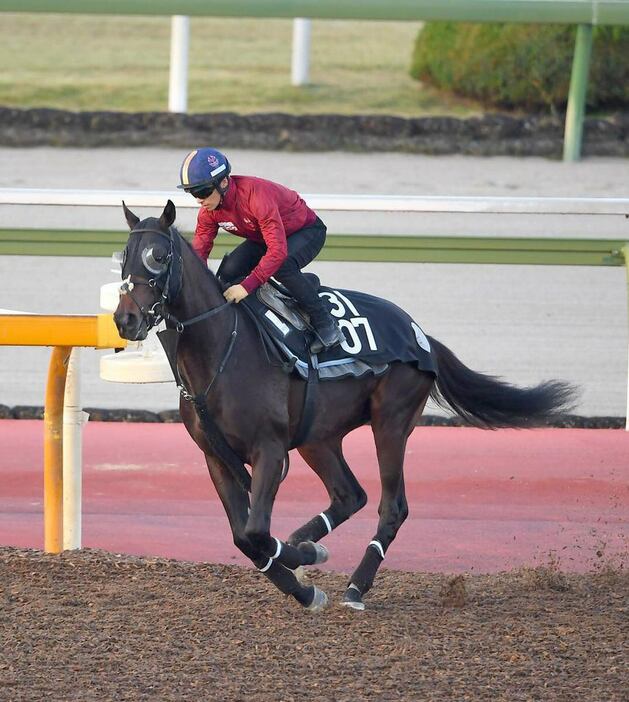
[278, 550]
[267, 566]
[378, 546]
[326, 521]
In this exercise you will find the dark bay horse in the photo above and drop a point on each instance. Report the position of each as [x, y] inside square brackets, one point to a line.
[241, 409]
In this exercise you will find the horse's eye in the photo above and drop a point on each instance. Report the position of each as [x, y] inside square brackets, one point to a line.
[155, 259]
[159, 253]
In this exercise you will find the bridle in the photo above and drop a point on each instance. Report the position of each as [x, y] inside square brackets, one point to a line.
[167, 284]
[168, 291]
[152, 315]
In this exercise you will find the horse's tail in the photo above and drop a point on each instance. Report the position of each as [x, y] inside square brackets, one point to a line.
[490, 403]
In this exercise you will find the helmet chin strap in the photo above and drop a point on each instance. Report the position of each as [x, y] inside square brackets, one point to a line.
[223, 191]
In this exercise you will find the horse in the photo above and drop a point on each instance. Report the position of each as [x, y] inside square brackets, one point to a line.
[240, 408]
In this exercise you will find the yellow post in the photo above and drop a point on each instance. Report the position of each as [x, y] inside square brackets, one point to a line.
[53, 449]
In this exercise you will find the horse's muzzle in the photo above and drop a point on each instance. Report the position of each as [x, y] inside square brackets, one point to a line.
[130, 326]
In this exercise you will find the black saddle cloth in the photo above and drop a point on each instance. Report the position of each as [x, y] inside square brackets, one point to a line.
[377, 333]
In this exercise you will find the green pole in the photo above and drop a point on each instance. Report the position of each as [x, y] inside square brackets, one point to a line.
[625, 252]
[573, 134]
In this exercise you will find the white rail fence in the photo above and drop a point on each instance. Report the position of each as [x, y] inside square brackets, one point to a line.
[334, 203]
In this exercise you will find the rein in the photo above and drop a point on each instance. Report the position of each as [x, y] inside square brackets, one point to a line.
[169, 338]
[170, 343]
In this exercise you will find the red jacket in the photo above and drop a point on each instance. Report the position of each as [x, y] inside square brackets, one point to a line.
[259, 210]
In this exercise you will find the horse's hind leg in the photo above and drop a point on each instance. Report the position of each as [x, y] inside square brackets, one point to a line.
[395, 404]
[393, 510]
[346, 495]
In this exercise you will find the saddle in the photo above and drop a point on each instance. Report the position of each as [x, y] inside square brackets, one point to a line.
[376, 331]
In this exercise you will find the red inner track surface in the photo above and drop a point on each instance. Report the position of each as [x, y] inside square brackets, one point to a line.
[480, 501]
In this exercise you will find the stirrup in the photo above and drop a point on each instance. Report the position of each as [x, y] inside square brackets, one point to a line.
[318, 345]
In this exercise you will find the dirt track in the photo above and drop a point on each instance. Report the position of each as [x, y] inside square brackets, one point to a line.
[92, 625]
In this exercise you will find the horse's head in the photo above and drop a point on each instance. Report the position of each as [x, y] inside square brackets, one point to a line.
[151, 272]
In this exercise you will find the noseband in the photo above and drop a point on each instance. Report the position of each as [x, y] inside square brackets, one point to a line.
[152, 315]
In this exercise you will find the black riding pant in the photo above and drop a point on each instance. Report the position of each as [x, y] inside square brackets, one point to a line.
[303, 246]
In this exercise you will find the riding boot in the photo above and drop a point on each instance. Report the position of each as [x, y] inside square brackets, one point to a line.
[305, 294]
[325, 328]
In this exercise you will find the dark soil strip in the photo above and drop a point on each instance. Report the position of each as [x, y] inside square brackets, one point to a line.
[489, 135]
[135, 415]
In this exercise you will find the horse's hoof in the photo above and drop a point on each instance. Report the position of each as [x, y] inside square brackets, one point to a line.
[353, 599]
[321, 552]
[319, 601]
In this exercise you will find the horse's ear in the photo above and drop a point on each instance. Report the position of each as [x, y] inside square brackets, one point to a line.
[168, 215]
[132, 220]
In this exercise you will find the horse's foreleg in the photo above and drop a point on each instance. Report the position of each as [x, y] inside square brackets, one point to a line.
[346, 494]
[236, 503]
[279, 559]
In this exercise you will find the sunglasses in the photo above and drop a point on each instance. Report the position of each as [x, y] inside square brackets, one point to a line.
[202, 192]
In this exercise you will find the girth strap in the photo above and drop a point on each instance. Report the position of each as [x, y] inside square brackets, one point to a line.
[308, 407]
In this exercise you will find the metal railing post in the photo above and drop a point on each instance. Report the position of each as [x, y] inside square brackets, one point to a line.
[301, 51]
[53, 449]
[178, 83]
[73, 420]
[575, 113]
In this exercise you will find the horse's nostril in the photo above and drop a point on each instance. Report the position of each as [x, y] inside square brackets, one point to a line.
[123, 321]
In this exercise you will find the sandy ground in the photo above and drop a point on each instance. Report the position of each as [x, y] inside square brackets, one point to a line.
[525, 323]
[92, 625]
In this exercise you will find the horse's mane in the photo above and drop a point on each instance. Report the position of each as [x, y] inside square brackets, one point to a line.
[198, 262]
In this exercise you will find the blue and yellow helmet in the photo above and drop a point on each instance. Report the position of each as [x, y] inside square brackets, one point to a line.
[202, 168]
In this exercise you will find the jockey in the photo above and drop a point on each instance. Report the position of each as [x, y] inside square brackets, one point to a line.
[282, 234]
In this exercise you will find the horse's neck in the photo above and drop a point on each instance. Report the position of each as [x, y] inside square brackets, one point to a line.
[199, 294]
[203, 343]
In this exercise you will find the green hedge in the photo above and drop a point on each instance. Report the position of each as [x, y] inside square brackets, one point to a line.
[520, 66]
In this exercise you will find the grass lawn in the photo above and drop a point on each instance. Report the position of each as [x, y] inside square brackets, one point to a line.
[77, 62]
